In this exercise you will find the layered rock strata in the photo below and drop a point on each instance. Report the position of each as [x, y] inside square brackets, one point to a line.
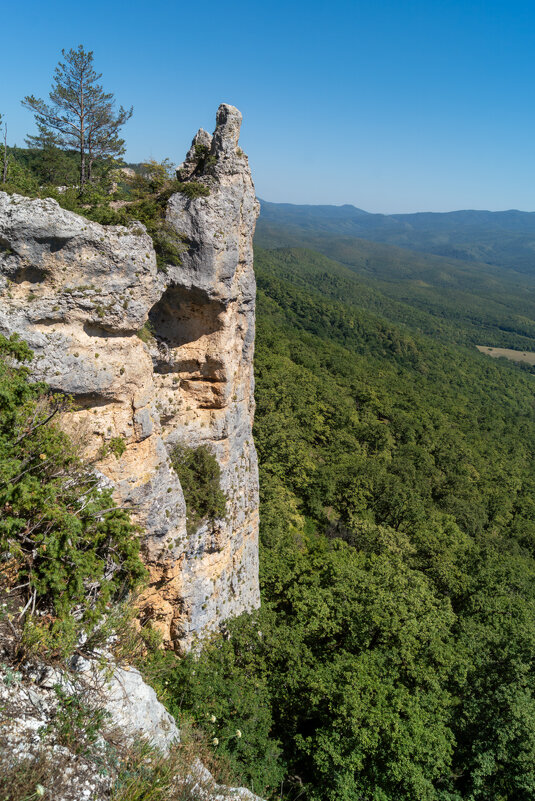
[79, 293]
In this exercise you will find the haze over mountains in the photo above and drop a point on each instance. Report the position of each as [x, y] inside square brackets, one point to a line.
[451, 297]
[505, 238]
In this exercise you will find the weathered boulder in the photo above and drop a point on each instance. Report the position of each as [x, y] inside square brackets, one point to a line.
[134, 707]
[79, 293]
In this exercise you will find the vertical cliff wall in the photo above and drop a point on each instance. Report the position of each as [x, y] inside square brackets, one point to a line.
[79, 292]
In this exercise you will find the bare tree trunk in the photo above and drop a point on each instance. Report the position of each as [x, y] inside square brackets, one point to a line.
[90, 159]
[4, 171]
[82, 138]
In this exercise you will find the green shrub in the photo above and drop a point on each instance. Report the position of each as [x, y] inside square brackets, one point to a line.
[146, 333]
[77, 722]
[63, 540]
[225, 695]
[168, 246]
[150, 190]
[204, 158]
[200, 476]
[201, 151]
[19, 179]
[149, 209]
[117, 446]
[192, 189]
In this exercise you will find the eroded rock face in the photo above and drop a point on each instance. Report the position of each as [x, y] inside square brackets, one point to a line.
[78, 292]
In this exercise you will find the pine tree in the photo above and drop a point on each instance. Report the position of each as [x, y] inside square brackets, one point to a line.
[81, 115]
[4, 154]
[103, 135]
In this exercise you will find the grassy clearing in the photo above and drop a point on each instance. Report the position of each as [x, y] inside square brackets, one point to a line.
[525, 357]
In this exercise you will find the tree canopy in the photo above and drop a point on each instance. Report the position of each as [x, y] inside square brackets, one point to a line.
[80, 116]
[392, 657]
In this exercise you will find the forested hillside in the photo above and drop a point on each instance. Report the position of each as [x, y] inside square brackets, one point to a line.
[392, 657]
[453, 301]
[506, 238]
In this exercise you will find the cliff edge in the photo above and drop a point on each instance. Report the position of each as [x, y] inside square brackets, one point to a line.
[81, 293]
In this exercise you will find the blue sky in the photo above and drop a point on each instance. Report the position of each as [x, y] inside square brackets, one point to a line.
[392, 106]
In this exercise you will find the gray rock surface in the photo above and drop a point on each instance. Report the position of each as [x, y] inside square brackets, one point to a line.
[134, 707]
[214, 360]
[75, 766]
[78, 292]
[201, 785]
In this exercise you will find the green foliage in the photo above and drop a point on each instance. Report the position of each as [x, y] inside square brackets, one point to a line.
[39, 172]
[200, 477]
[350, 649]
[151, 189]
[156, 180]
[449, 300]
[201, 151]
[49, 165]
[117, 446]
[146, 333]
[495, 722]
[63, 539]
[80, 116]
[392, 659]
[502, 238]
[417, 454]
[134, 770]
[365, 419]
[192, 189]
[397, 553]
[235, 715]
[204, 159]
[19, 178]
[151, 177]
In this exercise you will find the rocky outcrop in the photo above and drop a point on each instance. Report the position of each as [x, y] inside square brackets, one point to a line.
[70, 735]
[82, 294]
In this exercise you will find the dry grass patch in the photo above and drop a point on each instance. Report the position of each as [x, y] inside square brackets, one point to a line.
[524, 356]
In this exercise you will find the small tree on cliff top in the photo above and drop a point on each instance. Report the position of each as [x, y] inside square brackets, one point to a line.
[4, 153]
[81, 115]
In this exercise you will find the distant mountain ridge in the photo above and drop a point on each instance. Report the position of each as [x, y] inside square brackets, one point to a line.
[504, 238]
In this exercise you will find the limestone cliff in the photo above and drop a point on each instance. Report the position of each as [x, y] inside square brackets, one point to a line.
[79, 292]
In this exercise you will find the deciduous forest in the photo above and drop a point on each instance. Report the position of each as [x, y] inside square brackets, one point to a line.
[392, 657]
